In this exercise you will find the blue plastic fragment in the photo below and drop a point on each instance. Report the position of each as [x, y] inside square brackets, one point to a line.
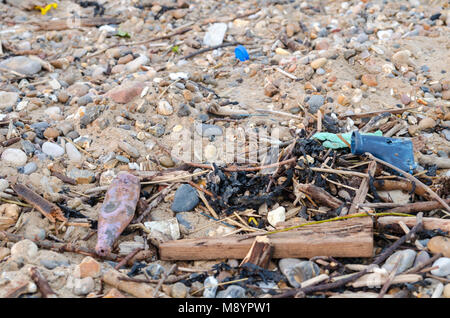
[396, 151]
[241, 53]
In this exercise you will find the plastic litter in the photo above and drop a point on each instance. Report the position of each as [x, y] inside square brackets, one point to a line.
[241, 53]
[396, 151]
[334, 141]
[47, 8]
[117, 210]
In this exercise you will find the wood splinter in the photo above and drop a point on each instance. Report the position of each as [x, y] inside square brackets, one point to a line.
[42, 284]
[48, 209]
[260, 252]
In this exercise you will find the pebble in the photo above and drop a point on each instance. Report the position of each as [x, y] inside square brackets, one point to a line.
[134, 65]
[421, 258]
[369, 80]
[81, 176]
[446, 292]
[276, 216]
[168, 227]
[8, 99]
[427, 123]
[185, 199]
[51, 133]
[21, 64]
[164, 108]
[444, 267]
[179, 290]
[439, 244]
[73, 154]
[84, 100]
[207, 130]
[215, 34]
[83, 286]
[315, 102]
[126, 92]
[297, 271]
[4, 184]
[25, 248]
[53, 150]
[318, 63]
[15, 157]
[406, 258]
[88, 267]
[29, 168]
[232, 291]
[129, 149]
[210, 284]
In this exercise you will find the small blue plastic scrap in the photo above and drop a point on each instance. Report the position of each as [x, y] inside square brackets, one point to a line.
[241, 53]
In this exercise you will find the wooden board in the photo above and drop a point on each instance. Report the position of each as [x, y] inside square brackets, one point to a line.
[346, 238]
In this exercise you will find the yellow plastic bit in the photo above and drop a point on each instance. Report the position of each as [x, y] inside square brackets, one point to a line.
[250, 219]
[47, 7]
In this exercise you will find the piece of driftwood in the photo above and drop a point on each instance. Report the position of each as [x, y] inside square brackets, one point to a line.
[361, 194]
[319, 195]
[48, 209]
[140, 290]
[347, 238]
[391, 223]
[388, 185]
[417, 207]
[260, 252]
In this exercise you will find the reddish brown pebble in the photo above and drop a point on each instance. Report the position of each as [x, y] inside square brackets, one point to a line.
[51, 133]
[405, 99]
[369, 80]
[88, 267]
[125, 59]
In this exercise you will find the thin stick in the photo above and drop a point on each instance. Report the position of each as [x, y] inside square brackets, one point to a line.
[388, 282]
[210, 209]
[209, 49]
[286, 73]
[413, 179]
[127, 258]
[343, 172]
[155, 202]
[418, 267]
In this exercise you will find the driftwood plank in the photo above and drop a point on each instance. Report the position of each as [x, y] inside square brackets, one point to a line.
[346, 238]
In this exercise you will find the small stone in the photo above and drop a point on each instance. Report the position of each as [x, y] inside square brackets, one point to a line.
[88, 267]
[405, 257]
[315, 102]
[369, 80]
[276, 216]
[8, 99]
[185, 199]
[166, 162]
[164, 108]
[207, 130]
[21, 64]
[125, 59]
[129, 149]
[78, 89]
[52, 149]
[446, 292]
[73, 154]
[427, 123]
[385, 35]
[343, 100]
[53, 112]
[349, 53]
[270, 90]
[15, 157]
[443, 270]
[405, 99]
[134, 65]
[232, 291]
[318, 63]
[167, 227]
[83, 286]
[81, 176]
[179, 290]
[446, 95]
[215, 34]
[297, 271]
[421, 258]
[124, 93]
[402, 58]
[4, 184]
[25, 248]
[29, 168]
[51, 133]
[210, 284]
[84, 100]
[439, 244]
